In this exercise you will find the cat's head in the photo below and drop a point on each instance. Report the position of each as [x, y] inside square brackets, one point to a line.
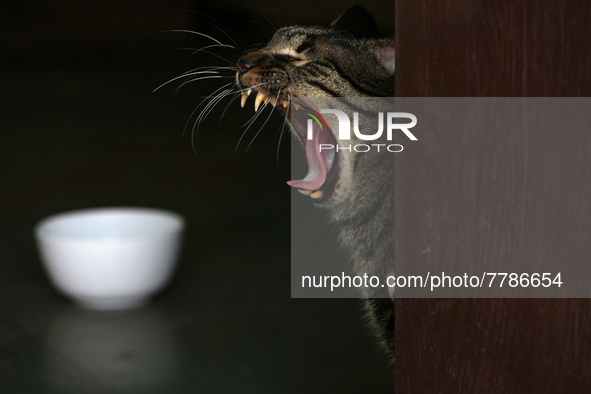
[344, 59]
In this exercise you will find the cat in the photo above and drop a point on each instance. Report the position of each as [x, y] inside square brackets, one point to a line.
[345, 59]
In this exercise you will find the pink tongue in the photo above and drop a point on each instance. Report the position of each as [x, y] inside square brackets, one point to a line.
[316, 163]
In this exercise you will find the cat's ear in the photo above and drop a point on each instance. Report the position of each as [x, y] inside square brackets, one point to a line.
[387, 55]
[357, 21]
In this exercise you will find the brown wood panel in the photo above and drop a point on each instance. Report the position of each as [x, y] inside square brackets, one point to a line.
[491, 48]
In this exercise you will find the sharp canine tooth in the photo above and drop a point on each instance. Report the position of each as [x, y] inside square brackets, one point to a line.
[243, 99]
[317, 194]
[284, 104]
[257, 101]
[305, 192]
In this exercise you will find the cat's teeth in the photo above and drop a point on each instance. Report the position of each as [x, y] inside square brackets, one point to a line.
[297, 106]
[317, 194]
[305, 192]
[273, 101]
[284, 103]
[257, 101]
[249, 91]
[243, 99]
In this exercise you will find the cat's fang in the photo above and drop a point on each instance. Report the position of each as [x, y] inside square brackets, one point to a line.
[317, 194]
[284, 103]
[258, 100]
[305, 192]
[243, 99]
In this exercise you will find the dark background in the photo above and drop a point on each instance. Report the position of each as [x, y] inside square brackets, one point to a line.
[80, 126]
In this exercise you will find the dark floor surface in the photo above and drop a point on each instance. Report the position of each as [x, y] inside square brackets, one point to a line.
[87, 131]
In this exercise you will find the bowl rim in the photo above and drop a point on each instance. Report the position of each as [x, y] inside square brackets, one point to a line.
[42, 232]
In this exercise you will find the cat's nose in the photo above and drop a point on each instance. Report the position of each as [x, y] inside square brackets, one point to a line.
[250, 60]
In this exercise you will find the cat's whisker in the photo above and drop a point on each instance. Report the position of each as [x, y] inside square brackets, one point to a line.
[208, 68]
[258, 46]
[252, 119]
[221, 28]
[236, 95]
[287, 105]
[273, 101]
[197, 33]
[201, 79]
[281, 130]
[268, 53]
[208, 108]
[273, 27]
[204, 113]
[262, 127]
[197, 50]
[249, 123]
[270, 30]
[253, 87]
[219, 57]
[200, 104]
[212, 46]
[184, 75]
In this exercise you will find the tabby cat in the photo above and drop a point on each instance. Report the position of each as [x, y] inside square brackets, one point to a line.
[345, 59]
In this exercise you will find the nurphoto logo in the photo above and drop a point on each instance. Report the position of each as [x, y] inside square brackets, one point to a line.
[344, 129]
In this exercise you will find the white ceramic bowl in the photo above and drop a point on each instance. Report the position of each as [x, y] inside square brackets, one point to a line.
[110, 258]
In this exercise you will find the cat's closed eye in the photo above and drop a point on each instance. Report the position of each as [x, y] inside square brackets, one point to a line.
[287, 58]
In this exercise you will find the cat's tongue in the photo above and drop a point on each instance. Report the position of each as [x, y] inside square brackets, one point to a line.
[319, 162]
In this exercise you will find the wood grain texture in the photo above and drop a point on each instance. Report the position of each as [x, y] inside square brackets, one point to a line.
[487, 49]
[492, 346]
[493, 48]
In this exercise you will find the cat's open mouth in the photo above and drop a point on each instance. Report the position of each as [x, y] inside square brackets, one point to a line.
[323, 165]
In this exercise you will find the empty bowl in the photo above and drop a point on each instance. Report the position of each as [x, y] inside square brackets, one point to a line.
[110, 258]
